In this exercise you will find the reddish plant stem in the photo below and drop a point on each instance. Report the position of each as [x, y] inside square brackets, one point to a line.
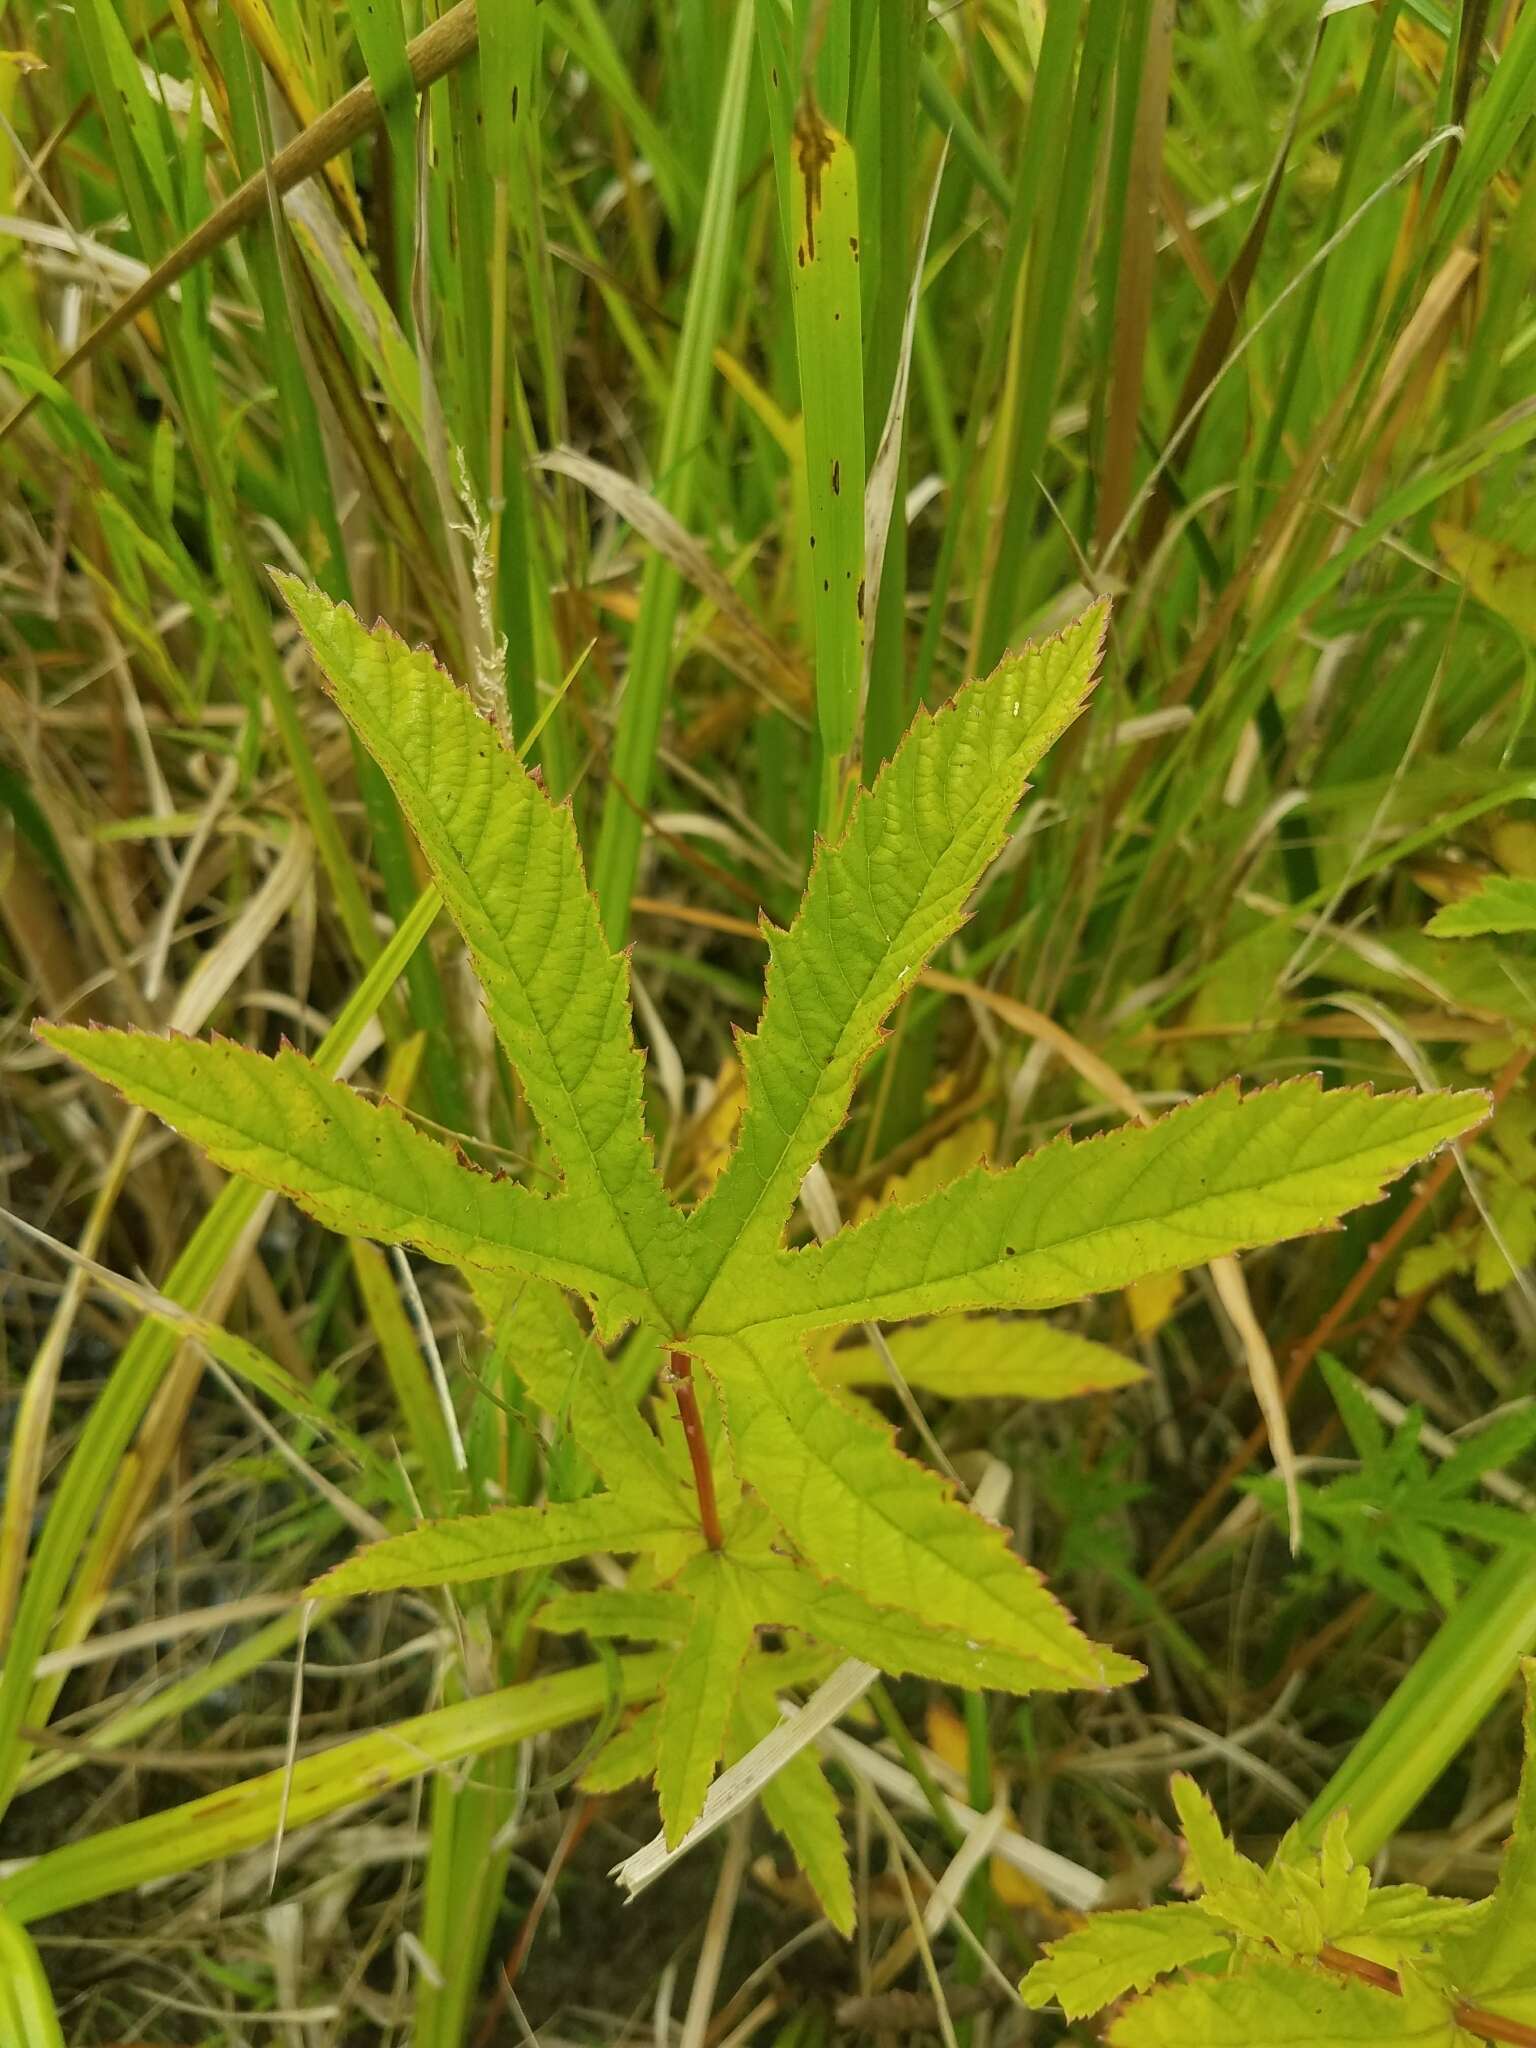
[1491, 2025]
[577, 1826]
[681, 1373]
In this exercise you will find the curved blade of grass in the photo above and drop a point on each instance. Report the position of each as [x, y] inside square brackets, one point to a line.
[1453, 1686]
[28, 2017]
[203, 1831]
[440, 46]
[1055, 262]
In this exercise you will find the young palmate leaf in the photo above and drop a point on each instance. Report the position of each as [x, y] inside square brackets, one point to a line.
[1495, 1957]
[1501, 903]
[1285, 2008]
[758, 1497]
[1119, 1952]
[1305, 1951]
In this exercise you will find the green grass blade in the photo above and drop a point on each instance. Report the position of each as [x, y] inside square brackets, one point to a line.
[204, 1831]
[824, 282]
[28, 2018]
[617, 858]
[1454, 1685]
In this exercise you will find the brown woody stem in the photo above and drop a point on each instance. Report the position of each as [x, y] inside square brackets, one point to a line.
[681, 1372]
[1491, 2025]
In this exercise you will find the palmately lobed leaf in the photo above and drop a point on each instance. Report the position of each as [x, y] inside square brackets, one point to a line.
[1280, 2005]
[356, 1166]
[863, 1514]
[510, 870]
[1222, 1174]
[790, 1595]
[1116, 1952]
[878, 902]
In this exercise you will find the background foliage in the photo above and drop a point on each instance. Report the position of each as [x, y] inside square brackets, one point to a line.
[1225, 314]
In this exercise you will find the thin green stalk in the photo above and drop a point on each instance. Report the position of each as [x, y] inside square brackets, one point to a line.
[634, 749]
[1046, 113]
[244, 1816]
[1055, 263]
[824, 286]
[28, 2016]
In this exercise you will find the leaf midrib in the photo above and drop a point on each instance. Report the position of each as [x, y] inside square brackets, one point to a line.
[663, 1206]
[785, 1262]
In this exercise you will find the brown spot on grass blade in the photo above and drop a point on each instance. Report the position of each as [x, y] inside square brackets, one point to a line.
[815, 145]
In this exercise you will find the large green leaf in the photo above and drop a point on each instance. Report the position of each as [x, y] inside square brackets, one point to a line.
[877, 904]
[1224, 1172]
[865, 1515]
[356, 1166]
[791, 1596]
[463, 1548]
[511, 875]
[699, 1691]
